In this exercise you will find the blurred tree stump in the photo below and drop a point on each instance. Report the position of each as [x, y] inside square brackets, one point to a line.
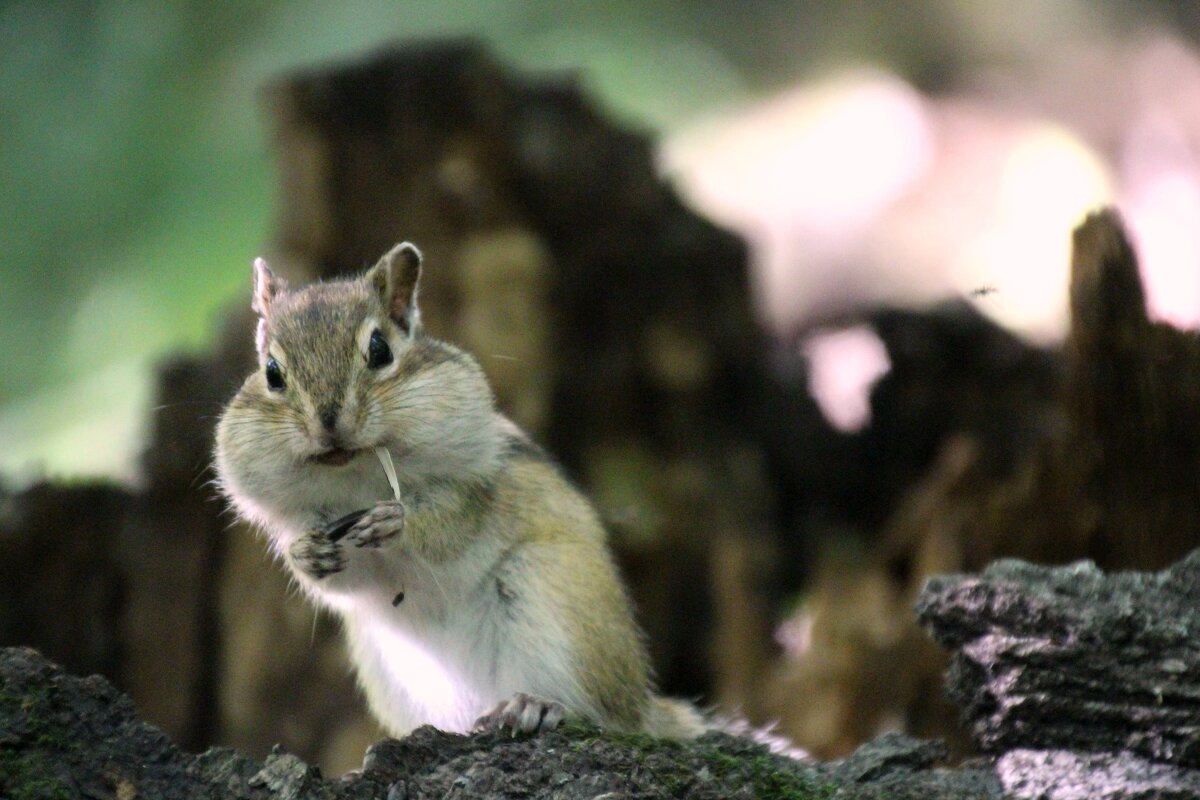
[124, 582]
[1114, 477]
[1119, 481]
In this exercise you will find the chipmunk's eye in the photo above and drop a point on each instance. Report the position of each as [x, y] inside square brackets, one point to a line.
[274, 375]
[378, 353]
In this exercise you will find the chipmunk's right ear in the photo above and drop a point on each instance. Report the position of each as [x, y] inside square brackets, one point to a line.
[266, 285]
[395, 279]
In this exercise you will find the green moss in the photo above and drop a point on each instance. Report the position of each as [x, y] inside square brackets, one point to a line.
[675, 765]
[36, 707]
[584, 734]
[762, 771]
[29, 776]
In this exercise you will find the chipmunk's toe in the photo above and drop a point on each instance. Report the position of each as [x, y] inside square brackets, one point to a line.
[524, 713]
[379, 525]
[317, 555]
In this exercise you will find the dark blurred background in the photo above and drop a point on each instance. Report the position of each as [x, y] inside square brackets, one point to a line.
[783, 284]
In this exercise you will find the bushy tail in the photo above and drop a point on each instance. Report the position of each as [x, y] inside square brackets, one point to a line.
[673, 719]
[678, 719]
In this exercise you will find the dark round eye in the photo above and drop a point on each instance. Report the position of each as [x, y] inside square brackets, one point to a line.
[274, 375]
[378, 352]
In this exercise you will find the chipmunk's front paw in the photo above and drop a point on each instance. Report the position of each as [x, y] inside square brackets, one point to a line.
[316, 555]
[381, 524]
[524, 713]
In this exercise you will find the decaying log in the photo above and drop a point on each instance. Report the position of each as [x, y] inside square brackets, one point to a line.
[1076, 684]
[63, 736]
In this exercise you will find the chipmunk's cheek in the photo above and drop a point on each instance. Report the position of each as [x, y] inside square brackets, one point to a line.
[372, 428]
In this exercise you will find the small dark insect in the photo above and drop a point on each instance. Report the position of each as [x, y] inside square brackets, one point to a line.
[398, 599]
[982, 291]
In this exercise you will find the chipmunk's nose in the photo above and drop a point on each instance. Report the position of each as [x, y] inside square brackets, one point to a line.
[329, 417]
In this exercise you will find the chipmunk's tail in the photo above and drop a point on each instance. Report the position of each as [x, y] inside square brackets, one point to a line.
[673, 719]
[678, 719]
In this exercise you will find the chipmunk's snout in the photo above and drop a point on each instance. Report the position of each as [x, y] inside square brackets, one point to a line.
[328, 415]
[337, 447]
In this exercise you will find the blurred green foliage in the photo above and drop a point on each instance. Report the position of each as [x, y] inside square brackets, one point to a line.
[137, 182]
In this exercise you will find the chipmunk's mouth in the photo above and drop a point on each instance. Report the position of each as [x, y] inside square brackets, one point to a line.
[334, 457]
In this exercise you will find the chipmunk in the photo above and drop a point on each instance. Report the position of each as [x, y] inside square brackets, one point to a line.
[485, 596]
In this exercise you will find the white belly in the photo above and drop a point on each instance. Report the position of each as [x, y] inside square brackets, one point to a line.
[428, 663]
[456, 646]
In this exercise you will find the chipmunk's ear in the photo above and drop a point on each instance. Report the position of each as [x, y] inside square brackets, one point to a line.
[266, 285]
[395, 278]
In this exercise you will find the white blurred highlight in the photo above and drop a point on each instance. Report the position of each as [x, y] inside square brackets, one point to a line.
[795, 634]
[1163, 210]
[427, 678]
[804, 174]
[1049, 179]
[857, 191]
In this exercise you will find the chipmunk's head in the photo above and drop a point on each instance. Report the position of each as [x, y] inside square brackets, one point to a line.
[343, 368]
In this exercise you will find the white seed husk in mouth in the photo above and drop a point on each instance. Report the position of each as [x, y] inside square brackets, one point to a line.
[385, 458]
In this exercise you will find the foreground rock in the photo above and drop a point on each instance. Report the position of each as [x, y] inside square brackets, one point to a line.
[65, 737]
[1076, 684]
[1082, 684]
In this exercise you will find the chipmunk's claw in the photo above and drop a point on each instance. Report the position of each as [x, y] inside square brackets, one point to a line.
[377, 526]
[524, 713]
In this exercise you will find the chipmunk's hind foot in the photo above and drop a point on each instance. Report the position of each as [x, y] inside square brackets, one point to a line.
[524, 713]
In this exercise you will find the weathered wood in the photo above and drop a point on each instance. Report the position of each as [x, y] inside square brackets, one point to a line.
[1076, 664]
[63, 736]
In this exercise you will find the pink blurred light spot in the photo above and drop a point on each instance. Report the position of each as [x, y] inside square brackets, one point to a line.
[795, 635]
[843, 366]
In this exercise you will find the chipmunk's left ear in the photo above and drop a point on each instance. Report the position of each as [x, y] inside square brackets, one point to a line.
[266, 286]
[395, 279]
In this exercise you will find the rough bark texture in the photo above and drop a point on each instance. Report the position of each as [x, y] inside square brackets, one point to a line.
[66, 737]
[1082, 684]
[1076, 684]
[1071, 658]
